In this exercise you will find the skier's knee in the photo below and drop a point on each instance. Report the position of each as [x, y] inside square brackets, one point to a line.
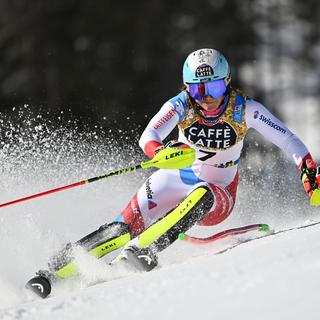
[192, 209]
[204, 204]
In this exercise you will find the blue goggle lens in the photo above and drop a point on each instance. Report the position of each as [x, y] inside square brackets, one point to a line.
[215, 89]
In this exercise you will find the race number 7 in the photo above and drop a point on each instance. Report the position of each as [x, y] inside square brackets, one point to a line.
[207, 156]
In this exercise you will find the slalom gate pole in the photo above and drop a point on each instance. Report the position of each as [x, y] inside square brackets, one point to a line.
[165, 159]
[226, 233]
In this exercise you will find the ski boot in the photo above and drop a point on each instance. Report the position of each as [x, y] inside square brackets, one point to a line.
[144, 259]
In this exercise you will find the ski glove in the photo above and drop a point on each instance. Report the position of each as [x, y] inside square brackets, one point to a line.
[172, 144]
[310, 177]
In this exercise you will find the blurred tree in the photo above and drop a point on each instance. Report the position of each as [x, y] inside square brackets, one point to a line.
[106, 56]
[113, 60]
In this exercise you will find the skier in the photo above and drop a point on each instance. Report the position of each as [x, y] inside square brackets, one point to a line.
[213, 117]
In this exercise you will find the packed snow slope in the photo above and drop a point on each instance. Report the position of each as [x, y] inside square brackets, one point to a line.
[275, 277]
[272, 277]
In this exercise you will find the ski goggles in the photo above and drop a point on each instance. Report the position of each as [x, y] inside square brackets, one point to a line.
[215, 89]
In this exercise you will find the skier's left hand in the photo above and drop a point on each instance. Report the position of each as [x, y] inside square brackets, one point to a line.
[310, 177]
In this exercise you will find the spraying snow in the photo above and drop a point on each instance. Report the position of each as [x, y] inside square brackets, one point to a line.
[38, 154]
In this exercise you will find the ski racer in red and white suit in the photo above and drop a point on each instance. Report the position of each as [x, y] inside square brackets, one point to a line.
[217, 138]
[213, 118]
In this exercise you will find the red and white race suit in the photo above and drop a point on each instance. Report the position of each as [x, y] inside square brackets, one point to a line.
[218, 141]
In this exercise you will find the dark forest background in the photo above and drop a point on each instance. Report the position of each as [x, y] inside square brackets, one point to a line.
[116, 59]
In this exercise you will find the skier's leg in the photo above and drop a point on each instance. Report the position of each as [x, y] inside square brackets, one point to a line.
[209, 209]
[166, 230]
[142, 250]
[160, 235]
[161, 192]
[156, 196]
[225, 200]
[106, 239]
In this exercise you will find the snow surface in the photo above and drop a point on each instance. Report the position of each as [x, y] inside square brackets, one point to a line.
[275, 277]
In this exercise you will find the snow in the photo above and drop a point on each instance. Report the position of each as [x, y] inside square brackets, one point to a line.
[274, 277]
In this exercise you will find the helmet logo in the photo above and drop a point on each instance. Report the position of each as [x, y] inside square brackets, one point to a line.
[203, 56]
[203, 71]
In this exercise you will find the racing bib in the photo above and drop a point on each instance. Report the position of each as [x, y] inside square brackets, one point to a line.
[216, 133]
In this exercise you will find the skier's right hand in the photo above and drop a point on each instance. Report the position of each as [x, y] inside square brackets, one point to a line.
[310, 178]
[173, 144]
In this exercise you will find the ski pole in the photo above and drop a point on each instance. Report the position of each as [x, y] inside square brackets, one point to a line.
[165, 159]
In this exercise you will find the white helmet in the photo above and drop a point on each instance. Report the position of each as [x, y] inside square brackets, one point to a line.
[205, 65]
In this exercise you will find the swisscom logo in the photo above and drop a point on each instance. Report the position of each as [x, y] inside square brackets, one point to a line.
[269, 122]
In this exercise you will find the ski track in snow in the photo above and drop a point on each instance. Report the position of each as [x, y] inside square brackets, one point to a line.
[273, 277]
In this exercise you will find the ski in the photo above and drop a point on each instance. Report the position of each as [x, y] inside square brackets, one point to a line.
[226, 233]
[141, 259]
